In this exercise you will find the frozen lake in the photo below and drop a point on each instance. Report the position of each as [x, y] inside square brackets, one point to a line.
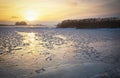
[34, 52]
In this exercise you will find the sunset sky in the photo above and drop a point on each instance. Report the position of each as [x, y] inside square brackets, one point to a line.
[39, 11]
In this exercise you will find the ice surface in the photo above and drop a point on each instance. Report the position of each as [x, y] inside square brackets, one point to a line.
[27, 52]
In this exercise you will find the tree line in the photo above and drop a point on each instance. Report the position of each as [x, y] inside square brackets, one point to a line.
[112, 22]
[21, 23]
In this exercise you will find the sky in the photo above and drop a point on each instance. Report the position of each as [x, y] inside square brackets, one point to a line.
[53, 11]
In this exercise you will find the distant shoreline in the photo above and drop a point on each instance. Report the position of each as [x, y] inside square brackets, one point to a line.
[91, 23]
[21, 25]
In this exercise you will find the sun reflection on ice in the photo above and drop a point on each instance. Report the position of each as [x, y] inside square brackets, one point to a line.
[35, 52]
[31, 40]
[31, 37]
[30, 51]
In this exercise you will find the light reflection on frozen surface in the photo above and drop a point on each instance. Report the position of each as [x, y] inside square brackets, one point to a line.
[39, 52]
[30, 37]
[55, 51]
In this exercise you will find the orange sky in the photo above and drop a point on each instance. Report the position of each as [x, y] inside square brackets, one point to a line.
[56, 10]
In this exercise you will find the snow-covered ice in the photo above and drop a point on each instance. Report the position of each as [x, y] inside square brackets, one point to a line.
[33, 52]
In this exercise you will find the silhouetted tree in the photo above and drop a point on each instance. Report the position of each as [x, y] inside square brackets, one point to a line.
[21, 23]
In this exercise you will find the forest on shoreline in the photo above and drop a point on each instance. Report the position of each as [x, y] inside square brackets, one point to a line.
[111, 22]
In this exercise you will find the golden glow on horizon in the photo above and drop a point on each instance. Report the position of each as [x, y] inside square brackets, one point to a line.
[38, 10]
[53, 10]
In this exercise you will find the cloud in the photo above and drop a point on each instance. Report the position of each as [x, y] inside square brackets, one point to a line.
[111, 7]
[14, 17]
[70, 3]
[102, 7]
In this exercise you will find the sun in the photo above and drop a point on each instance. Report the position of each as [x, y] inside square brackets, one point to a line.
[31, 18]
[31, 15]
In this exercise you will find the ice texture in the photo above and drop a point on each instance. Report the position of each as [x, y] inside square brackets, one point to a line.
[35, 52]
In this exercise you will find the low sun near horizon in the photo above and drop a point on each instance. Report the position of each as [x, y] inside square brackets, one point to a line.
[31, 15]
